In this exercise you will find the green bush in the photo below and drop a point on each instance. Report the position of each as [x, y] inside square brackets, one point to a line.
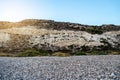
[32, 52]
[98, 53]
[94, 31]
[80, 53]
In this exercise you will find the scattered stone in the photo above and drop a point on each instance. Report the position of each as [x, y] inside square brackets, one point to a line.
[60, 68]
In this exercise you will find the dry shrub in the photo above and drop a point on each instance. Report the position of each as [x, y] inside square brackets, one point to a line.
[2, 54]
[61, 54]
[115, 52]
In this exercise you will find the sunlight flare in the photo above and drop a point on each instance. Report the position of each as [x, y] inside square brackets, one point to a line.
[14, 11]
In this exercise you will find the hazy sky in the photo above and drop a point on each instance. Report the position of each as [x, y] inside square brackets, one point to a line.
[94, 12]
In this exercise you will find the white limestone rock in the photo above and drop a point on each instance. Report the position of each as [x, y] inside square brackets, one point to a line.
[55, 38]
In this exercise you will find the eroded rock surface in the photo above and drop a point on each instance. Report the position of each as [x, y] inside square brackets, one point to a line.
[49, 38]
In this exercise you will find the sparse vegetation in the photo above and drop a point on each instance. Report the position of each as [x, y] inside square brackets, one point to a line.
[32, 52]
[2, 54]
[95, 31]
[98, 53]
[60, 54]
[115, 53]
[106, 46]
[50, 24]
[80, 53]
[19, 42]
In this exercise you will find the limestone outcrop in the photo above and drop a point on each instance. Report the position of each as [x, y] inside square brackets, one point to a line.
[66, 37]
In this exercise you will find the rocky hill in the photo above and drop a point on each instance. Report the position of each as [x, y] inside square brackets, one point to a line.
[55, 36]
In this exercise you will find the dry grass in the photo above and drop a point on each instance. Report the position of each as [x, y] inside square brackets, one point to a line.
[6, 54]
[61, 54]
[115, 53]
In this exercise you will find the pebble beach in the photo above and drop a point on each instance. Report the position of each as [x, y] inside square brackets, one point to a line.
[102, 67]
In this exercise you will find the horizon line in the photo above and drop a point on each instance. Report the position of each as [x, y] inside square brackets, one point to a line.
[57, 21]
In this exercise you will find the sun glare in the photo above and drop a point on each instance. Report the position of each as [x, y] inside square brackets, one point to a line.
[14, 11]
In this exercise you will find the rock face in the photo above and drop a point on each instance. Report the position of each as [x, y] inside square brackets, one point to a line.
[57, 36]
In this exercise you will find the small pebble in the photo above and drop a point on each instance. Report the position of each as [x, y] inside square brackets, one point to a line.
[60, 68]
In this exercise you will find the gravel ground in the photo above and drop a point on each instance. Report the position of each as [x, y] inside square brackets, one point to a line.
[104, 67]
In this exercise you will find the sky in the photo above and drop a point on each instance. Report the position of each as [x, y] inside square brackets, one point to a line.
[91, 12]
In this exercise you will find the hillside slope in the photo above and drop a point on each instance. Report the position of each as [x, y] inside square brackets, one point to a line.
[57, 36]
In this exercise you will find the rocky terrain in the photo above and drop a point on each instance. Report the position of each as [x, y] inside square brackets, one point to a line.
[61, 68]
[57, 36]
